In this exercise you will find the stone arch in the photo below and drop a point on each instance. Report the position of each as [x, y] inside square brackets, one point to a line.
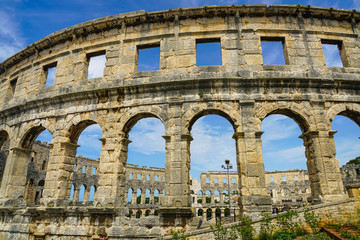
[292, 110]
[200, 212]
[76, 129]
[132, 120]
[4, 140]
[351, 111]
[211, 111]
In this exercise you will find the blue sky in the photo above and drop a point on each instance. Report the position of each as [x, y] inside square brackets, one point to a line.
[23, 22]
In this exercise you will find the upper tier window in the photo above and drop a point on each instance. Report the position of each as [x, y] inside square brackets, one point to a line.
[273, 51]
[50, 72]
[148, 57]
[208, 52]
[97, 62]
[333, 52]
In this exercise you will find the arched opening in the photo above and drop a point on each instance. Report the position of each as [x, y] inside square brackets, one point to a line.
[147, 196]
[37, 139]
[82, 193]
[208, 196]
[217, 196]
[156, 213]
[147, 213]
[227, 212]
[208, 214]
[86, 138]
[156, 195]
[212, 132]
[130, 195]
[4, 152]
[92, 194]
[281, 147]
[226, 197]
[346, 139]
[138, 214]
[147, 147]
[138, 196]
[200, 212]
[199, 196]
[72, 192]
[218, 213]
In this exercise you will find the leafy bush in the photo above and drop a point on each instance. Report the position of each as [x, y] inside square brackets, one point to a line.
[222, 233]
[246, 230]
[179, 235]
[319, 236]
[313, 220]
[266, 229]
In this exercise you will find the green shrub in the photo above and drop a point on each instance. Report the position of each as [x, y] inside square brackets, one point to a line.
[222, 233]
[319, 236]
[266, 229]
[179, 235]
[313, 220]
[246, 230]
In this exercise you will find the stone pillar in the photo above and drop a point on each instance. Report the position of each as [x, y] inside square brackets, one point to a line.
[176, 204]
[213, 213]
[143, 196]
[324, 171]
[151, 198]
[253, 197]
[86, 194]
[134, 197]
[112, 177]
[76, 195]
[59, 174]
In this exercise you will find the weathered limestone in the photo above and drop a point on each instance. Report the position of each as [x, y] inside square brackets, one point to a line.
[242, 89]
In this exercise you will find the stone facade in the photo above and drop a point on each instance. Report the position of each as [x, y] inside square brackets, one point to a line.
[242, 89]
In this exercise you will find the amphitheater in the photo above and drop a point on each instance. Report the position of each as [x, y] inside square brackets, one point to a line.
[242, 89]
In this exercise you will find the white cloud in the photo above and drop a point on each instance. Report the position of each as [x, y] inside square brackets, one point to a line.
[212, 144]
[146, 136]
[10, 39]
[96, 66]
[278, 127]
[284, 159]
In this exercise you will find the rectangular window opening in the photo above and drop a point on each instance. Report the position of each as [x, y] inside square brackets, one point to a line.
[139, 176]
[273, 51]
[147, 177]
[215, 180]
[272, 179]
[207, 180]
[148, 57]
[224, 180]
[97, 62]
[156, 178]
[296, 178]
[94, 171]
[234, 180]
[130, 176]
[13, 86]
[84, 169]
[284, 178]
[334, 55]
[208, 52]
[50, 72]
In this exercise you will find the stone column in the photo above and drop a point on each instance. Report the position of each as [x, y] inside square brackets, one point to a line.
[253, 197]
[324, 171]
[59, 173]
[134, 197]
[112, 177]
[176, 204]
[143, 196]
[221, 198]
[86, 195]
[76, 195]
[14, 179]
[151, 198]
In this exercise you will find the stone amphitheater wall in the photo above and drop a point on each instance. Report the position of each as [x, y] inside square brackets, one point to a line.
[242, 89]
